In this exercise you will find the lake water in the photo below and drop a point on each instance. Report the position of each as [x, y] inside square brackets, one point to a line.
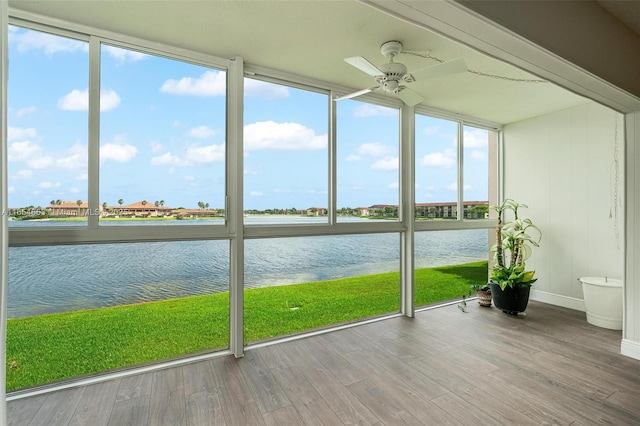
[64, 278]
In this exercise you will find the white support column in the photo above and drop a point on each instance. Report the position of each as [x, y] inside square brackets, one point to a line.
[93, 200]
[407, 212]
[234, 202]
[4, 232]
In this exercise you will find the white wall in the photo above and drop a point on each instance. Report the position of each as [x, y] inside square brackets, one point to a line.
[562, 166]
[631, 325]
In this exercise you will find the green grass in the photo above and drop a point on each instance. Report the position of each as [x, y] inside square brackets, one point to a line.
[53, 347]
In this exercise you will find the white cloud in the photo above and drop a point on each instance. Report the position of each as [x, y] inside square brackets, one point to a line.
[40, 163]
[18, 133]
[204, 154]
[78, 100]
[74, 190]
[11, 188]
[124, 55]
[478, 155]
[82, 176]
[26, 40]
[25, 111]
[353, 158]
[393, 185]
[23, 174]
[256, 193]
[208, 84]
[121, 153]
[48, 185]
[438, 159]
[454, 187]
[477, 138]
[269, 135]
[156, 147]
[368, 110]
[282, 191]
[390, 163]
[375, 149]
[193, 155]
[428, 131]
[202, 132]
[23, 151]
[77, 159]
[262, 89]
[165, 159]
[189, 178]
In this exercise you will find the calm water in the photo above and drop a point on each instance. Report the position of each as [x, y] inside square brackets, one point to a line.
[63, 278]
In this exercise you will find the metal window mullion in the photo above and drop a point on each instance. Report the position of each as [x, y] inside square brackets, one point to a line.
[94, 132]
[4, 231]
[460, 146]
[332, 156]
[234, 213]
[407, 212]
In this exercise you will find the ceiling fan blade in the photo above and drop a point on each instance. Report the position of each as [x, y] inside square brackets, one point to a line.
[358, 93]
[409, 97]
[439, 70]
[363, 65]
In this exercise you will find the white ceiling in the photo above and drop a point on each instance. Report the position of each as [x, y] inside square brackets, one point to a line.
[310, 39]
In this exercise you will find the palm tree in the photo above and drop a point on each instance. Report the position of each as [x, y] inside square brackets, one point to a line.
[206, 206]
[157, 203]
[58, 202]
[162, 202]
[201, 204]
[52, 202]
[79, 203]
[144, 202]
[120, 201]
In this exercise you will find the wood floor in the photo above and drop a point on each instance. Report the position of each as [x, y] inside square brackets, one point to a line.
[483, 367]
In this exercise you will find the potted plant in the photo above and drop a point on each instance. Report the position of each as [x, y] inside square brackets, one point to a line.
[510, 281]
[483, 291]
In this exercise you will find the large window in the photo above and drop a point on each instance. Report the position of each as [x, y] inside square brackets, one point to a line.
[286, 151]
[480, 168]
[84, 309]
[162, 139]
[298, 284]
[367, 161]
[436, 153]
[48, 132]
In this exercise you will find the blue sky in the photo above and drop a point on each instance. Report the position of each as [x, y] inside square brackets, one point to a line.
[162, 134]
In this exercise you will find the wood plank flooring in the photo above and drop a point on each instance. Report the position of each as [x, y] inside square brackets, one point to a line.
[444, 367]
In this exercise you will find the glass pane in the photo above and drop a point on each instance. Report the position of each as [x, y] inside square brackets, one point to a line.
[77, 310]
[367, 160]
[298, 284]
[285, 147]
[478, 157]
[436, 168]
[162, 139]
[47, 133]
[448, 262]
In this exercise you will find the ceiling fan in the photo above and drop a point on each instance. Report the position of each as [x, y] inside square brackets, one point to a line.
[390, 75]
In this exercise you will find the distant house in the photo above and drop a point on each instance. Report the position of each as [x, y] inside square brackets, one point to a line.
[316, 211]
[139, 209]
[363, 211]
[449, 210]
[182, 213]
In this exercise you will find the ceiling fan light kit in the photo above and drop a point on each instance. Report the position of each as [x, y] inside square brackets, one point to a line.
[389, 76]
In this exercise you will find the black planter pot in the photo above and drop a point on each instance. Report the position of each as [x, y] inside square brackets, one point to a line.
[511, 300]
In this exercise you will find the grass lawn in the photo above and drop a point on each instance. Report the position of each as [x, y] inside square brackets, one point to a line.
[53, 347]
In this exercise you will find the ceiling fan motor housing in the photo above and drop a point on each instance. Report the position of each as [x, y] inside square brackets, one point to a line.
[393, 70]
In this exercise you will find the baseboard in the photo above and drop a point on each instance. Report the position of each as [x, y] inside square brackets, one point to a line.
[630, 348]
[558, 300]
